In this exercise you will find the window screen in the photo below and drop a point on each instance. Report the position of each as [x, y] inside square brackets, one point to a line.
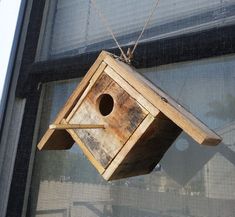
[191, 180]
[74, 27]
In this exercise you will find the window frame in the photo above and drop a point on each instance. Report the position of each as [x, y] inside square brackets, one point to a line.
[191, 46]
[50, 16]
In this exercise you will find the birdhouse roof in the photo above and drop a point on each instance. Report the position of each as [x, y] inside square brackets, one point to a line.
[61, 139]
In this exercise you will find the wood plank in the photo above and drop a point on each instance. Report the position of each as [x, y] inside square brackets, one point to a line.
[149, 149]
[128, 146]
[58, 140]
[80, 88]
[75, 126]
[47, 141]
[184, 119]
[133, 93]
[125, 117]
[86, 91]
[85, 150]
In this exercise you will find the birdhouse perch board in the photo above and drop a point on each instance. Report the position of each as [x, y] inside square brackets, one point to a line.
[122, 122]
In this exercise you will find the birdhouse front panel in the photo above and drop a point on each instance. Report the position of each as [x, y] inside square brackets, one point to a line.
[108, 104]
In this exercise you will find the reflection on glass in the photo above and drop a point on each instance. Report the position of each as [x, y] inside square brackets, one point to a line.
[191, 180]
[73, 27]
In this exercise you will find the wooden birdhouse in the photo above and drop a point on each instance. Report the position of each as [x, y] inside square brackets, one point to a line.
[123, 123]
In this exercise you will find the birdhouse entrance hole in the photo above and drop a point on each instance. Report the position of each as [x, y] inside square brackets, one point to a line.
[105, 104]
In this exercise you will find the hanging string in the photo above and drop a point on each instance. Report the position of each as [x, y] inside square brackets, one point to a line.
[145, 25]
[130, 52]
[106, 24]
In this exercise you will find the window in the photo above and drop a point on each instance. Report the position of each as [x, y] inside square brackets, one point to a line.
[187, 50]
[73, 27]
[192, 181]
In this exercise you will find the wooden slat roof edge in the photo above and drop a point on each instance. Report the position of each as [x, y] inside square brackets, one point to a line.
[177, 113]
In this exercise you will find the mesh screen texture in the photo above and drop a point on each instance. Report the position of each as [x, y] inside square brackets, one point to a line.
[191, 180]
[74, 26]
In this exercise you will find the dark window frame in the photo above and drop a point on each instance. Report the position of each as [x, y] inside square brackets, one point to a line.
[193, 46]
[190, 46]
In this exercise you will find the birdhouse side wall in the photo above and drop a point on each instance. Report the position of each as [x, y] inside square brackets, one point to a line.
[146, 153]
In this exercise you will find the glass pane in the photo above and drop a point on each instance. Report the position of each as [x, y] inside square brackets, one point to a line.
[74, 26]
[191, 180]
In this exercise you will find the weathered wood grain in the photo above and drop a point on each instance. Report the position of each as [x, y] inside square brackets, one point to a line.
[125, 117]
[75, 126]
[85, 150]
[130, 90]
[141, 121]
[50, 139]
[91, 83]
[144, 149]
[174, 111]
